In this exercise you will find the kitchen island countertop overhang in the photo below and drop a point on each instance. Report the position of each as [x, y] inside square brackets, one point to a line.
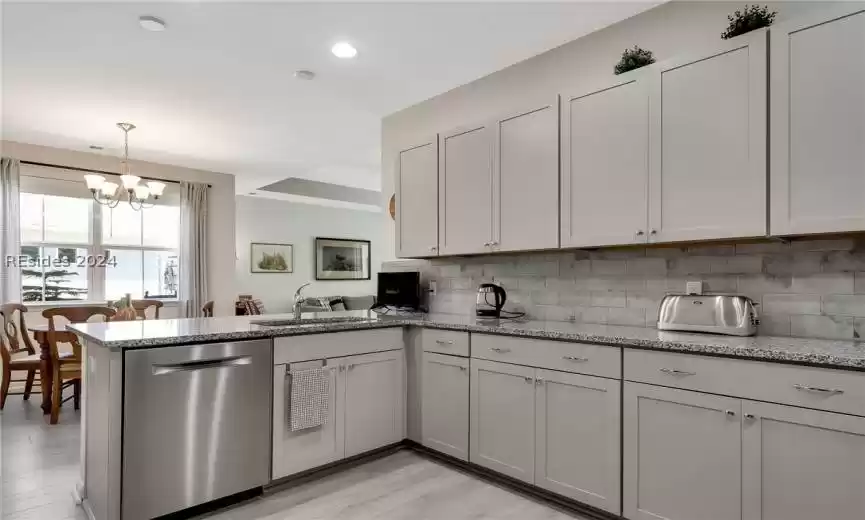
[837, 354]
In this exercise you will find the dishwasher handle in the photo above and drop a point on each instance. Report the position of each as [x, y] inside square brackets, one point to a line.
[201, 364]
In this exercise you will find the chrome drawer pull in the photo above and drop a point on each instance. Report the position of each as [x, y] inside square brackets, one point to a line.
[818, 389]
[529, 380]
[443, 342]
[500, 350]
[575, 359]
[463, 369]
[674, 372]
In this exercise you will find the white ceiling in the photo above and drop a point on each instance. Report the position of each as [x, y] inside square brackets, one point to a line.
[215, 91]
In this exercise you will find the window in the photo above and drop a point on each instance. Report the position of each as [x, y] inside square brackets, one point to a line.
[75, 249]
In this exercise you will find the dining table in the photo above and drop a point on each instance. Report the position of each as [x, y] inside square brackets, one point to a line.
[46, 362]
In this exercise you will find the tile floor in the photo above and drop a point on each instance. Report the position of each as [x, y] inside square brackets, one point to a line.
[39, 468]
[38, 462]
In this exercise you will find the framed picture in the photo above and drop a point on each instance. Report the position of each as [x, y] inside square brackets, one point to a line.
[341, 259]
[271, 258]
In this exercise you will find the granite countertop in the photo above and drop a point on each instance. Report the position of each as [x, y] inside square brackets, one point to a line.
[160, 333]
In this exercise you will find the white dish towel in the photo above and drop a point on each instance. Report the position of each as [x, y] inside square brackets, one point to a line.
[309, 398]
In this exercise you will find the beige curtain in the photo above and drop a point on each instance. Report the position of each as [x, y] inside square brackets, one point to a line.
[10, 230]
[193, 248]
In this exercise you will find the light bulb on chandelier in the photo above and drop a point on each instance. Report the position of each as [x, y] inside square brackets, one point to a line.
[106, 193]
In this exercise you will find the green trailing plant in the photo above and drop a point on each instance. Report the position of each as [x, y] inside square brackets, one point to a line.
[634, 59]
[751, 18]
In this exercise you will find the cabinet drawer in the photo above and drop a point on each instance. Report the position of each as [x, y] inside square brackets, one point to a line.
[445, 342]
[292, 349]
[808, 387]
[581, 358]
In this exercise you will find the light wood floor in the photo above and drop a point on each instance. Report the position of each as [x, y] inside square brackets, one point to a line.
[38, 462]
[403, 486]
[39, 469]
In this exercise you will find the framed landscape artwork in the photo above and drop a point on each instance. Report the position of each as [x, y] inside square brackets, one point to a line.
[271, 258]
[341, 259]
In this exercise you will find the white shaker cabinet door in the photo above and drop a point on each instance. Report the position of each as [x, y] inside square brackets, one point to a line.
[708, 140]
[802, 464]
[446, 404]
[417, 209]
[526, 181]
[374, 401]
[466, 190]
[818, 123]
[605, 163]
[577, 438]
[682, 455]
[503, 418]
[298, 451]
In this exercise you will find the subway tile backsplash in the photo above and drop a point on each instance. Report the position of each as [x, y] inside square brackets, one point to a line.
[809, 288]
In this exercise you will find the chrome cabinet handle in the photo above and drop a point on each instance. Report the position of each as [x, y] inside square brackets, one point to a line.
[640, 233]
[351, 366]
[539, 382]
[653, 232]
[494, 243]
[674, 372]
[529, 380]
[464, 369]
[487, 244]
[750, 416]
[443, 342]
[575, 359]
[818, 389]
[730, 413]
[500, 350]
[433, 248]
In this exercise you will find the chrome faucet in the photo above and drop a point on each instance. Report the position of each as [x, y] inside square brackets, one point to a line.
[298, 300]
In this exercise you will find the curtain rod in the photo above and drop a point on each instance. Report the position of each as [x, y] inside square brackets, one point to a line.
[88, 170]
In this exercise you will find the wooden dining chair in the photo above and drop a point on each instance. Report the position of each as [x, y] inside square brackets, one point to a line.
[207, 309]
[16, 350]
[67, 371]
[141, 307]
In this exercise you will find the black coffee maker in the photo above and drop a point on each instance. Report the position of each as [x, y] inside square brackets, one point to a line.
[491, 299]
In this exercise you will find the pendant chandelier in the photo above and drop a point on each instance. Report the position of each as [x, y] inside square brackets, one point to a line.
[106, 193]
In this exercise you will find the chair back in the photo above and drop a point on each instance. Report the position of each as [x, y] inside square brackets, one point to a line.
[207, 309]
[14, 338]
[141, 307]
[72, 315]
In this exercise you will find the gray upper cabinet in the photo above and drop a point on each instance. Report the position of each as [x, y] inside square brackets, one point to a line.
[416, 189]
[682, 455]
[605, 163]
[802, 464]
[465, 190]
[818, 123]
[708, 140]
[526, 180]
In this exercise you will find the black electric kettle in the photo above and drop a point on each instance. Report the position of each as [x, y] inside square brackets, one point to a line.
[491, 299]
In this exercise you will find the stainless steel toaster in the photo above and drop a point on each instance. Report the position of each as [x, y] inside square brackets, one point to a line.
[719, 314]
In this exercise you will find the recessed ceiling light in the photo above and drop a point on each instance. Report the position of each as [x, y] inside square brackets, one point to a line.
[96, 147]
[304, 74]
[344, 50]
[151, 23]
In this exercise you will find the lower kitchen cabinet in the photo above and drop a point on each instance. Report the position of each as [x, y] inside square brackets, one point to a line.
[802, 464]
[374, 401]
[445, 422]
[682, 455]
[294, 452]
[503, 418]
[577, 437]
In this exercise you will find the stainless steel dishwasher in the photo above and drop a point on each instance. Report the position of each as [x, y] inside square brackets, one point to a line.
[196, 425]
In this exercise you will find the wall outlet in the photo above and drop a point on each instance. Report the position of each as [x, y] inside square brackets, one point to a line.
[694, 288]
[432, 287]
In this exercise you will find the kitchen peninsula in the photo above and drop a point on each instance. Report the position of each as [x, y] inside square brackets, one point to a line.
[170, 404]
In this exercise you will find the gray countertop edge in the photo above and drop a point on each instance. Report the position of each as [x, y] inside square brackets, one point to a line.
[777, 355]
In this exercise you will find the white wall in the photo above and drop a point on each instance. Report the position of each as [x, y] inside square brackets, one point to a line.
[267, 220]
[670, 30]
[220, 208]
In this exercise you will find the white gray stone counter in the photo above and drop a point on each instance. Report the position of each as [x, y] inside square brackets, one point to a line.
[841, 354]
